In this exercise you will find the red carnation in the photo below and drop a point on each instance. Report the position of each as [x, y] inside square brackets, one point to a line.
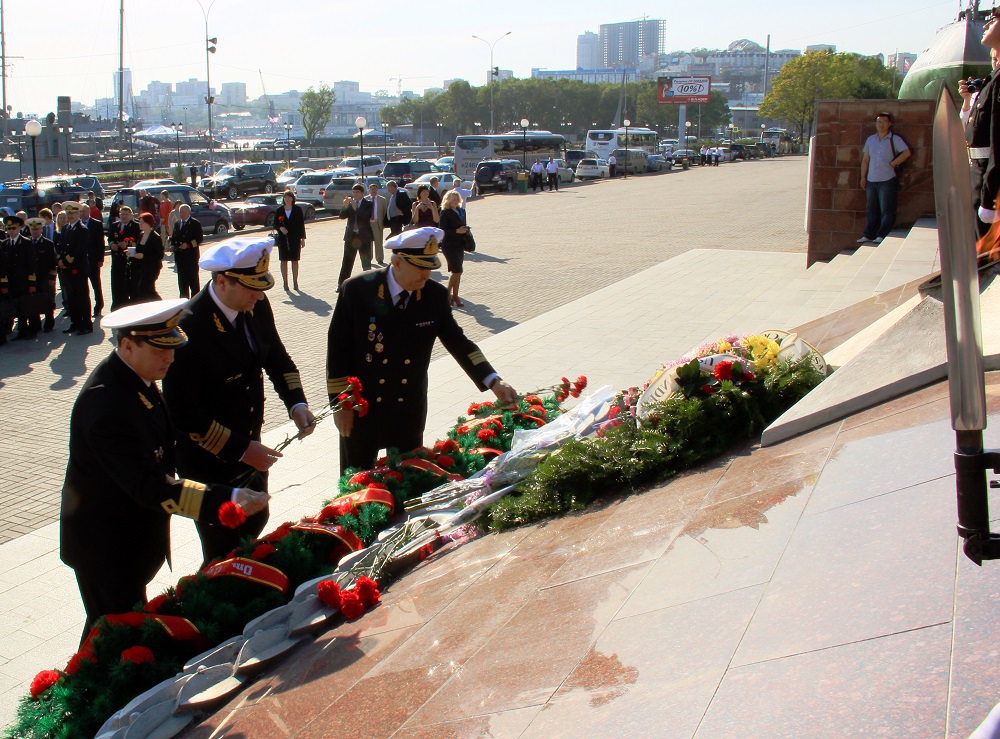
[262, 550]
[445, 461]
[533, 400]
[538, 410]
[329, 593]
[360, 478]
[347, 405]
[354, 384]
[473, 409]
[748, 376]
[724, 371]
[707, 389]
[350, 604]
[367, 590]
[137, 655]
[615, 410]
[154, 605]
[231, 515]
[42, 682]
[361, 408]
[486, 434]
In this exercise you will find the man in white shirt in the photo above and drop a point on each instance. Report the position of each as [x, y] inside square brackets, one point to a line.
[612, 166]
[536, 175]
[553, 169]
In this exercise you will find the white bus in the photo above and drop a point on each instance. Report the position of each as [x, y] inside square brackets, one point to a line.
[781, 139]
[605, 141]
[470, 150]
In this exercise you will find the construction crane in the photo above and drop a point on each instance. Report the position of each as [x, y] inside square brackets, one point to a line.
[271, 115]
[401, 80]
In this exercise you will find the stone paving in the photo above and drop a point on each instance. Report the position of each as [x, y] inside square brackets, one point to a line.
[536, 252]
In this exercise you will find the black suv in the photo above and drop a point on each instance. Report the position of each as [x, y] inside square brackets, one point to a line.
[738, 151]
[498, 173]
[236, 180]
[407, 170]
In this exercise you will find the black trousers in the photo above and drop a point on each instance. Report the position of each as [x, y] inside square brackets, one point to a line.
[77, 297]
[95, 283]
[350, 252]
[361, 448]
[553, 181]
[396, 224]
[102, 595]
[186, 261]
[119, 281]
[217, 541]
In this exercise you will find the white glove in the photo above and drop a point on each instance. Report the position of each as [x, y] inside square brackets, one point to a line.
[987, 216]
[130, 251]
[250, 501]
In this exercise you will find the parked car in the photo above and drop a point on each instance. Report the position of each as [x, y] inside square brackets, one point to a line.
[563, 170]
[311, 187]
[276, 144]
[235, 180]
[446, 181]
[446, 164]
[407, 170]
[657, 163]
[213, 215]
[593, 169]
[737, 151]
[258, 210]
[287, 178]
[151, 184]
[630, 161]
[498, 173]
[575, 156]
[373, 165]
[340, 187]
[691, 155]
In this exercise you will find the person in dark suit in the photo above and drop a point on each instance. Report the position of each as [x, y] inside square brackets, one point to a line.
[95, 254]
[120, 489]
[124, 233]
[187, 236]
[358, 236]
[145, 259]
[291, 236]
[215, 388]
[383, 330]
[45, 272]
[398, 209]
[74, 265]
[18, 278]
[434, 193]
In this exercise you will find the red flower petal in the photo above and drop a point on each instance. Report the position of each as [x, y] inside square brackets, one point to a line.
[231, 515]
[137, 655]
[42, 682]
[329, 593]
[367, 590]
[350, 605]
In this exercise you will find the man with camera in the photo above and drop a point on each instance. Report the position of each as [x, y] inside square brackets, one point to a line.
[358, 236]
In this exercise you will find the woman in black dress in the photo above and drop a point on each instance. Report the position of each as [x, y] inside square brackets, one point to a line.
[145, 261]
[291, 236]
[453, 244]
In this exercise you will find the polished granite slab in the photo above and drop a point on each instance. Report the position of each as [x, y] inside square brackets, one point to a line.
[811, 588]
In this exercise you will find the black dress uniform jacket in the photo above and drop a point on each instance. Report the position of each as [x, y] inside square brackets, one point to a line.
[19, 270]
[215, 388]
[96, 243]
[119, 490]
[983, 131]
[75, 250]
[389, 350]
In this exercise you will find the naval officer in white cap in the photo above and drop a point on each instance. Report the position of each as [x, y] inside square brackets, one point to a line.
[215, 388]
[120, 487]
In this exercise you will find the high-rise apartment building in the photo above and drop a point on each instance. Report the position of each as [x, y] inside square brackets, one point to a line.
[625, 44]
[588, 51]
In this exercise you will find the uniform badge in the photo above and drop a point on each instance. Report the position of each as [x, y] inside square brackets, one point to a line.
[218, 323]
[381, 292]
[380, 337]
[379, 348]
[371, 336]
[372, 326]
[368, 357]
[145, 401]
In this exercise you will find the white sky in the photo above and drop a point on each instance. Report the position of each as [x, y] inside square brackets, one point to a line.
[71, 48]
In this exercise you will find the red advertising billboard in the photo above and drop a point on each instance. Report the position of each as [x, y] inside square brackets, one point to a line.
[683, 90]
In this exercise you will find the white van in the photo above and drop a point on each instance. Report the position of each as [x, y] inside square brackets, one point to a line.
[635, 163]
[373, 165]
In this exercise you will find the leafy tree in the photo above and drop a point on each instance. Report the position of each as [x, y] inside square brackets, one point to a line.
[314, 107]
[801, 83]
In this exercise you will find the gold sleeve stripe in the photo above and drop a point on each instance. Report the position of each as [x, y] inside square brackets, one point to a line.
[214, 440]
[192, 494]
[336, 385]
[293, 380]
[477, 358]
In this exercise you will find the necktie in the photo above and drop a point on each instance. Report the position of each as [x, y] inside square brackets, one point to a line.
[241, 329]
[401, 303]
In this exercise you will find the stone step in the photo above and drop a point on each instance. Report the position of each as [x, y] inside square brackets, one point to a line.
[918, 256]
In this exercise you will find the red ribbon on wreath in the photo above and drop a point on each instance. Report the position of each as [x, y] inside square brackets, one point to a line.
[249, 569]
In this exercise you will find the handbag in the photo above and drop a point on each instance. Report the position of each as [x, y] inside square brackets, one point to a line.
[470, 241]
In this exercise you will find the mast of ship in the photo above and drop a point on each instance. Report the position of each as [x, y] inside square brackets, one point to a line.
[121, 78]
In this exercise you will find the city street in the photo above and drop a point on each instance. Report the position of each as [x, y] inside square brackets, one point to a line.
[535, 252]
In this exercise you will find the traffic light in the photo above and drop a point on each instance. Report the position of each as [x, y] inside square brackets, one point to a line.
[496, 71]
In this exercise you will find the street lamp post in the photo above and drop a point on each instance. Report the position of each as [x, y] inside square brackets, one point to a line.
[524, 146]
[687, 132]
[178, 127]
[209, 99]
[288, 142]
[439, 137]
[385, 142]
[627, 123]
[493, 70]
[360, 122]
[33, 128]
[68, 130]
